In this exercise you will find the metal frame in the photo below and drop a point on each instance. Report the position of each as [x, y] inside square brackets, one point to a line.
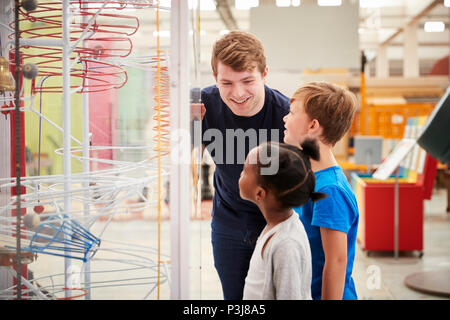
[6, 12]
[180, 177]
[180, 203]
[67, 165]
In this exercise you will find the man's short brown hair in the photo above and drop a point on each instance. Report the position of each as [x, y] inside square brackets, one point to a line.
[332, 105]
[239, 50]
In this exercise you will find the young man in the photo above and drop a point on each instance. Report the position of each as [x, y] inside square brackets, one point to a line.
[323, 111]
[241, 112]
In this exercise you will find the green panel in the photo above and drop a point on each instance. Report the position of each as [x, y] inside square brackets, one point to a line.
[134, 104]
[51, 138]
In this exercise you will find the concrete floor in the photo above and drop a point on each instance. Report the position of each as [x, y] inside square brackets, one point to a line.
[391, 272]
[376, 276]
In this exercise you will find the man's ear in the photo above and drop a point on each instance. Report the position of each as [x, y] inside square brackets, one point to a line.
[264, 75]
[215, 76]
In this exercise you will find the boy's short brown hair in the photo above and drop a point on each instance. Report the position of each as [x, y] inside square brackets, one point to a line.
[332, 105]
[239, 50]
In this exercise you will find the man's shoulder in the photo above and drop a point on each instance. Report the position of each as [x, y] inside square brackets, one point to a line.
[210, 97]
[278, 99]
[210, 91]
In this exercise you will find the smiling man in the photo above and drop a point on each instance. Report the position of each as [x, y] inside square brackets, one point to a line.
[240, 110]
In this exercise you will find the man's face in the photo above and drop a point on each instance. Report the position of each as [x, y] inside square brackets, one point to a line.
[243, 92]
[297, 124]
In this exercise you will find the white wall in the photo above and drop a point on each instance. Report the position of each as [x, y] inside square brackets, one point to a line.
[308, 36]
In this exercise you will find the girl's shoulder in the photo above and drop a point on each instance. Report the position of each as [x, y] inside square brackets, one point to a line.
[291, 233]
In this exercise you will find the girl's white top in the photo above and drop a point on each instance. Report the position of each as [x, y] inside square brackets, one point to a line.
[285, 270]
[254, 282]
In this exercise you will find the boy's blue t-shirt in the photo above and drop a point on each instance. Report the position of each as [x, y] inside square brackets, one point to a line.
[229, 155]
[339, 211]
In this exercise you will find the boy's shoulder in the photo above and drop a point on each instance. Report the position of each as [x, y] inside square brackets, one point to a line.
[333, 182]
[332, 177]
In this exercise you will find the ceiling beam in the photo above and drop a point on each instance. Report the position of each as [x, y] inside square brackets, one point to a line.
[416, 18]
[420, 44]
[224, 10]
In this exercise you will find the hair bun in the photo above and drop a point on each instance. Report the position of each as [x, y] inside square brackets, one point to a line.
[311, 149]
[316, 196]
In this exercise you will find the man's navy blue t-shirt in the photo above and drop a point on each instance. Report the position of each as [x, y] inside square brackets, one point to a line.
[229, 153]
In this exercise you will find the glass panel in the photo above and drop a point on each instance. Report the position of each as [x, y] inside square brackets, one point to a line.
[114, 243]
[196, 224]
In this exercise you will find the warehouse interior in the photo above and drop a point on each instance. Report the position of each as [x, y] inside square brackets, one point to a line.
[96, 114]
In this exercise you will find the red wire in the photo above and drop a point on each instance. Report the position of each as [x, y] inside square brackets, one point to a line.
[107, 77]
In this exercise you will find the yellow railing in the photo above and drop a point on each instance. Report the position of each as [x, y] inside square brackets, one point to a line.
[389, 120]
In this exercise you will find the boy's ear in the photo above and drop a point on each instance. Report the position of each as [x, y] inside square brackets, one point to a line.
[314, 127]
[260, 193]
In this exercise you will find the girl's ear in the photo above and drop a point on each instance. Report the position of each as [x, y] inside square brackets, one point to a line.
[260, 193]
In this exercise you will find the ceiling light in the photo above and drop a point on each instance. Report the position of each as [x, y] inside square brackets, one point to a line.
[283, 3]
[207, 5]
[369, 3]
[326, 3]
[295, 3]
[164, 3]
[447, 3]
[434, 26]
[162, 33]
[245, 4]
[202, 32]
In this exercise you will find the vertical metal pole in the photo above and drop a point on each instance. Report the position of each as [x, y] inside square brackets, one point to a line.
[180, 204]
[18, 185]
[67, 130]
[368, 160]
[86, 169]
[396, 213]
[198, 143]
[362, 113]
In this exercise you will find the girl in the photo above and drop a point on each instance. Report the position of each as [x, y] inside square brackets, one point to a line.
[280, 267]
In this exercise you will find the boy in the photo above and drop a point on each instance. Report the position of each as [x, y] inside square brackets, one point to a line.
[241, 104]
[323, 111]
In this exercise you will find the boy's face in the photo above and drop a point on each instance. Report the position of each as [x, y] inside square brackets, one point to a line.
[297, 124]
[248, 180]
[243, 92]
